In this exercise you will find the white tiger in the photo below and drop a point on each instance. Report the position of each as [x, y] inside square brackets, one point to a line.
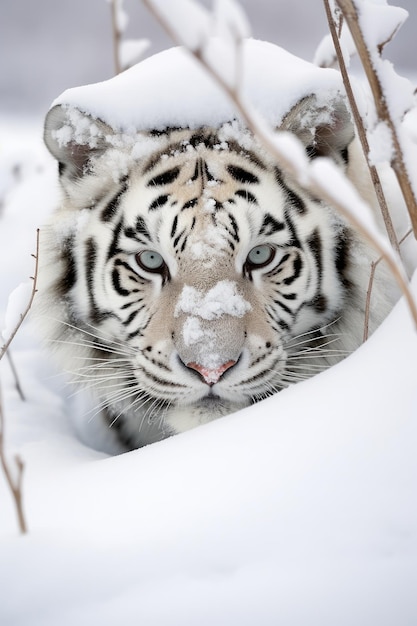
[202, 279]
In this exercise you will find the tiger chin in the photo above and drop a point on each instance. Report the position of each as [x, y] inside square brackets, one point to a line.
[191, 278]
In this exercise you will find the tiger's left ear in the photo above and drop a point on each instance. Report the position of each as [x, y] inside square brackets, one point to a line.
[324, 129]
[74, 138]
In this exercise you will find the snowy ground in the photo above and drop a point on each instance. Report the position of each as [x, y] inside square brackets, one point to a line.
[298, 511]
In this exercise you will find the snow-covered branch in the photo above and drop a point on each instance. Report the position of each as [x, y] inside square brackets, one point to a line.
[126, 52]
[372, 25]
[320, 176]
[336, 34]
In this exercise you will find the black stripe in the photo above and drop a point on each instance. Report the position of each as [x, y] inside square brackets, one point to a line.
[315, 245]
[174, 226]
[284, 308]
[129, 304]
[297, 267]
[177, 238]
[158, 203]
[142, 229]
[190, 204]
[296, 201]
[247, 195]
[110, 209]
[117, 284]
[90, 272]
[196, 170]
[209, 175]
[119, 263]
[69, 274]
[342, 250]
[294, 241]
[133, 315]
[165, 178]
[235, 233]
[319, 303]
[293, 198]
[114, 246]
[242, 175]
[270, 225]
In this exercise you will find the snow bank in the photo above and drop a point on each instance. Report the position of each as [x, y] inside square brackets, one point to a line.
[171, 89]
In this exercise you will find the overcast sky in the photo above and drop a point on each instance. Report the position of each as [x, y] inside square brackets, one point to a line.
[47, 46]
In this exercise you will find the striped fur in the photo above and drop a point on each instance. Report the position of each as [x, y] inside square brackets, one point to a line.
[202, 203]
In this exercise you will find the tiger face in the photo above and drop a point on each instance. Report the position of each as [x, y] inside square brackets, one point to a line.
[195, 281]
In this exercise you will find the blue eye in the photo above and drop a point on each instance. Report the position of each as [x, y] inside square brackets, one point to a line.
[260, 256]
[150, 261]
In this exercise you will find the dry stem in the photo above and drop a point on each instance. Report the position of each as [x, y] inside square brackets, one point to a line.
[374, 265]
[361, 131]
[15, 376]
[23, 315]
[15, 485]
[117, 36]
[348, 8]
[314, 186]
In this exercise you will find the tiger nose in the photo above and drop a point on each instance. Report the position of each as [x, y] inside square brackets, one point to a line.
[211, 376]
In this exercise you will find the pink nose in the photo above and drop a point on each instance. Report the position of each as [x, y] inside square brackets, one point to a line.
[211, 376]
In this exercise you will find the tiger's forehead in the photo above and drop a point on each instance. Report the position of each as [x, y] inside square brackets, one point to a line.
[203, 200]
[198, 190]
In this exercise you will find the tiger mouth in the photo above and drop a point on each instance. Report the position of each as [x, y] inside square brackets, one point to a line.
[211, 399]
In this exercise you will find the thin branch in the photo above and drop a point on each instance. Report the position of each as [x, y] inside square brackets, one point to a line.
[374, 265]
[117, 36]
[15, 485]
[368, 299]
[23, 315]
[314, 185]
[348, 8]
[361, 131]
[15, 376]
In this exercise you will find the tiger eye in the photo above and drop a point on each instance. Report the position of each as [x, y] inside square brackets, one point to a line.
[260, 256]
[150, 261]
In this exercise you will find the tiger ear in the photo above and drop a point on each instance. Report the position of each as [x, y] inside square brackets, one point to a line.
[324, 129]
[74, 138]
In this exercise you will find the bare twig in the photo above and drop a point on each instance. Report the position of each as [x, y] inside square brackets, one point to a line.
[117, 37]
[368, 298]
[361, 130]
[314, 184]
[15, 484]
[15, 376]
[350, 13]
[374, 265]
[23, 315]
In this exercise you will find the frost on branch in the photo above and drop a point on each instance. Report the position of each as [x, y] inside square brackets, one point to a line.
[127, 52]
[373, 23]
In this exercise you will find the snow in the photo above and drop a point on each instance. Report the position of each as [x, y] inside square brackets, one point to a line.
[17, 303]
[132, 50]
[136, 99]
[380, 144]
[300, 510]
[287, 512]
[222, 299]
[192, 332]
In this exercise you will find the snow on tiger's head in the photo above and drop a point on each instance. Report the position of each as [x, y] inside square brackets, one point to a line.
[187, 271]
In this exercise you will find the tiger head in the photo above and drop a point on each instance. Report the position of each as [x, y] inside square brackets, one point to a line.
[184, 276]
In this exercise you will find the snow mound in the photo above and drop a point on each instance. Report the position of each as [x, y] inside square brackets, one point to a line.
[171, 89]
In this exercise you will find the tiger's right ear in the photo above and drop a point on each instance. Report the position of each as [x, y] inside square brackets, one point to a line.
[74, 138]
